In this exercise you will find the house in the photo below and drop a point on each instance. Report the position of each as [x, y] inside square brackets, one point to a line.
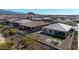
[16, 21]
[57, 29]
[33, 26]
[37, 18]
[10, 21]
[29, 25]
[2, 21]
[47, 18]
[76, 20]
[21, 21]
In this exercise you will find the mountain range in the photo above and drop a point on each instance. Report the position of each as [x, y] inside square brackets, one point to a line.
[12, 12]
[8, 12]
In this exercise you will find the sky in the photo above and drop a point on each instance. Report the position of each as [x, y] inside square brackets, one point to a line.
[49, 11]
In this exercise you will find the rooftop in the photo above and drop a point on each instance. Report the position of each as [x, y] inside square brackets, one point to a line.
[47, 18]
[12, 19]
[35, 23]
[21, 21]
[37, 18]
[59, 27]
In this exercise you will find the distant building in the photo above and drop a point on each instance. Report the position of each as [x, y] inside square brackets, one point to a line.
[2, 21]
[10, 21]
[76, 20]
[58, 29]
[37, 18]
[47, 18]
[18, 22]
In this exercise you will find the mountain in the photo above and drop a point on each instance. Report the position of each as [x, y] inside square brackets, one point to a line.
[12, 12]
[7, 12]
[30, 13]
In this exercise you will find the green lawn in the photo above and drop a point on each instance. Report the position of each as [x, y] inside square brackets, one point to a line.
[57, 38]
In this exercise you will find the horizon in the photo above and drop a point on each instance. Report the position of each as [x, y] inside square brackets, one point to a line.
[48, 11]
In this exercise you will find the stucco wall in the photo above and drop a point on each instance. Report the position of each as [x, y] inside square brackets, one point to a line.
[53, 32]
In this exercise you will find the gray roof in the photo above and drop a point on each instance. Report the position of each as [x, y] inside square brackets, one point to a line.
[47, 18]
[2, 21]
[65, 20]
[34, 23]
[18, 20]
[21, 21]
[37, 18]
[12, 19]
[59, 27]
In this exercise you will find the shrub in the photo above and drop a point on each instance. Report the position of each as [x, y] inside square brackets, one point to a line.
[1, 26]
[12, 31]
[27, 40]
[5, 34]
[7, 46]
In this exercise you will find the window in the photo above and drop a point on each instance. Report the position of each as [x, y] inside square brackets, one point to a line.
[44, 29]
[62, 33]
[50, 30]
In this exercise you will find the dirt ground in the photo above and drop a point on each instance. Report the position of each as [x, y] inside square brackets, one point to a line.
[2, 39]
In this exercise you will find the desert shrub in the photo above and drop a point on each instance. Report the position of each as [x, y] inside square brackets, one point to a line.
[1, 26]
[5, 34]
[7, 46]
[12, 31]
[26, 41]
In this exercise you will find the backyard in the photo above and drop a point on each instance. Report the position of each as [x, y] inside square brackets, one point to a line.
[57, 38]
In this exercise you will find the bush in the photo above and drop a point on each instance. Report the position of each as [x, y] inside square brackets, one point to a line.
[7, 46]
[1, 26]
[27, 40]
[5, 34]
[12, 31]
